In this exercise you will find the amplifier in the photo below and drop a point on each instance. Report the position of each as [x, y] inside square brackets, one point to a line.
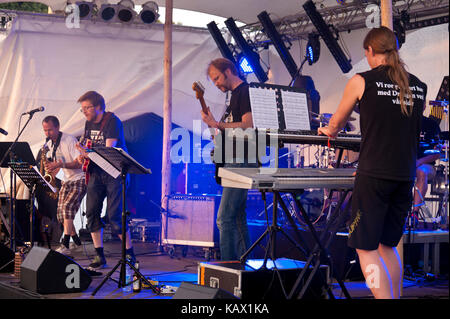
[191, 220]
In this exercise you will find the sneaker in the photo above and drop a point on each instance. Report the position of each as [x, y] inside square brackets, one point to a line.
[74, 246]
[63, 250]
[98, 263]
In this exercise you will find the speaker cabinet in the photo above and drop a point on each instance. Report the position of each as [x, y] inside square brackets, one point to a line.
[46, 271]
[191, 221]
[191, 291]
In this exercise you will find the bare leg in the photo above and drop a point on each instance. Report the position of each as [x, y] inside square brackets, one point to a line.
[376, 273]
[69, 228]
[393, 263]
[97, 238]
[128, 244]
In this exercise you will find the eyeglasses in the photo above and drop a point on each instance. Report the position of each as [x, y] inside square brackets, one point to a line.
[85, 109]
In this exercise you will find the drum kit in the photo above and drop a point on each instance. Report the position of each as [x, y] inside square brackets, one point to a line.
[437, 215]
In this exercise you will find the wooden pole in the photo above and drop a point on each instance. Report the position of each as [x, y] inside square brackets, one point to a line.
[167, 114]
[386, 14]
[387, 21]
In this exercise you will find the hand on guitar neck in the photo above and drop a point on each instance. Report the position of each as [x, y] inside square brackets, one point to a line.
[206, 114]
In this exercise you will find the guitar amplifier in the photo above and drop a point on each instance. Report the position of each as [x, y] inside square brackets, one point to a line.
[191, 220]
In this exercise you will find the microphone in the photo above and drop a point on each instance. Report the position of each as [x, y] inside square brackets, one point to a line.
[39, 109]
[3, 131]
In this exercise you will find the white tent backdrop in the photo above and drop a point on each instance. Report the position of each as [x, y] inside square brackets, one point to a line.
[45, 63]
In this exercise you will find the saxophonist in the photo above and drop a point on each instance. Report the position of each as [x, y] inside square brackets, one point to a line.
[64, 156]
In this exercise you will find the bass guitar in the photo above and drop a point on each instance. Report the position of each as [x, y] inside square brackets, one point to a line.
[199, 93]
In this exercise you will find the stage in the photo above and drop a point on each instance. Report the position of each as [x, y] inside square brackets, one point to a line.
[169, 271]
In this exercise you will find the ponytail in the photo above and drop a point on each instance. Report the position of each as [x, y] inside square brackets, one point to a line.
[383, 41]
[397, 74]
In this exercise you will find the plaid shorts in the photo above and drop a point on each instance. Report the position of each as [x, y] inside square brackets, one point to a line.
[69, 200]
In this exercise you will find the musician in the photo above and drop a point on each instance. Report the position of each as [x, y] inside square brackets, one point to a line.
[231, 216]
[103, 129]
[73, 188]
[425, 170]
[391, 103]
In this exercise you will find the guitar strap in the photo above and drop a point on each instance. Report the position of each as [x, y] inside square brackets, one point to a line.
[105, 120]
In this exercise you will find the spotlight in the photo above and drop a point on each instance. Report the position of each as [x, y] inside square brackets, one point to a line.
[108, 12]
[283, 52]
[125, 12]
[313, 48]
[220, 41]
[247, 50]
[327, 36]
[86, 9]
[245, 65]
[149, 12]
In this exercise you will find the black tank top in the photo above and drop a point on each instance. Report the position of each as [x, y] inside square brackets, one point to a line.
[389, 138]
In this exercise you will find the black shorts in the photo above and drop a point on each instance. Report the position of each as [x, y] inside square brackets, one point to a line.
[379, 211]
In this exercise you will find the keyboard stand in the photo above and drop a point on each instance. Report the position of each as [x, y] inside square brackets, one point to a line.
[321, 247]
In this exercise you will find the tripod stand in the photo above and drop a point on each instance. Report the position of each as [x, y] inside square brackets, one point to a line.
[123, 163]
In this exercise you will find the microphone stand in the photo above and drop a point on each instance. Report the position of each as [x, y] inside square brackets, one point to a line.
[12, 244]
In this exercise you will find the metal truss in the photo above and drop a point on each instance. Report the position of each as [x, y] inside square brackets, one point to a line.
[346, 17]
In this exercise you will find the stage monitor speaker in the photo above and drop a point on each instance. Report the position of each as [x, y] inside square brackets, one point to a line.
[192, 291]
[46, 271]
[6, 259]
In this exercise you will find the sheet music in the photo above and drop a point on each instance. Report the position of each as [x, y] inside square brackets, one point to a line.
[49, 186]
[295, 107]
[104, 164]
[264, 108]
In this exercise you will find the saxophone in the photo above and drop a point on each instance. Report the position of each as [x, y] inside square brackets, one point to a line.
[51, 179]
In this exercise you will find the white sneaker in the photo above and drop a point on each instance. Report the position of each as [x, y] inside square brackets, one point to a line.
[73, 246]
[63, 250]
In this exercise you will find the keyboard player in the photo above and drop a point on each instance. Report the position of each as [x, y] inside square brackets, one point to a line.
[391, 102]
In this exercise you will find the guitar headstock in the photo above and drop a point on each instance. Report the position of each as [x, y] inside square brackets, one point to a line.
[199, 89]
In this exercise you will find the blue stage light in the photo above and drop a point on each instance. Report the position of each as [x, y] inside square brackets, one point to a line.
[245, 65]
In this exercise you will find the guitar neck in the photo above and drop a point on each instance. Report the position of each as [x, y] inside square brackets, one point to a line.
[203, 104]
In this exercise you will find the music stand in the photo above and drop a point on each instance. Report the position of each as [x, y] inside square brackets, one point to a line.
[115, 161]
[16, 152]
[31, 177]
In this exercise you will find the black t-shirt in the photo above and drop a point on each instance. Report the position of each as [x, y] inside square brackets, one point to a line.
[113, 128]
[240, 105]
[240, 102]
[389, 138]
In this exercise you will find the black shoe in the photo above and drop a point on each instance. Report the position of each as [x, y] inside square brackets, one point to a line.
[98, 263]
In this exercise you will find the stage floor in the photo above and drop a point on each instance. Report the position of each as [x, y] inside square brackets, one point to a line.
[173, 270]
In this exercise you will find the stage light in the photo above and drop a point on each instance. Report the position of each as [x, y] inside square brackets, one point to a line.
[327, 36]
[247, 50]
[86, 9]
[313, 48]
[245, 65]
[125, 11]
[108, 12]
[149, 12]
[220, 41]
[270, 30]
